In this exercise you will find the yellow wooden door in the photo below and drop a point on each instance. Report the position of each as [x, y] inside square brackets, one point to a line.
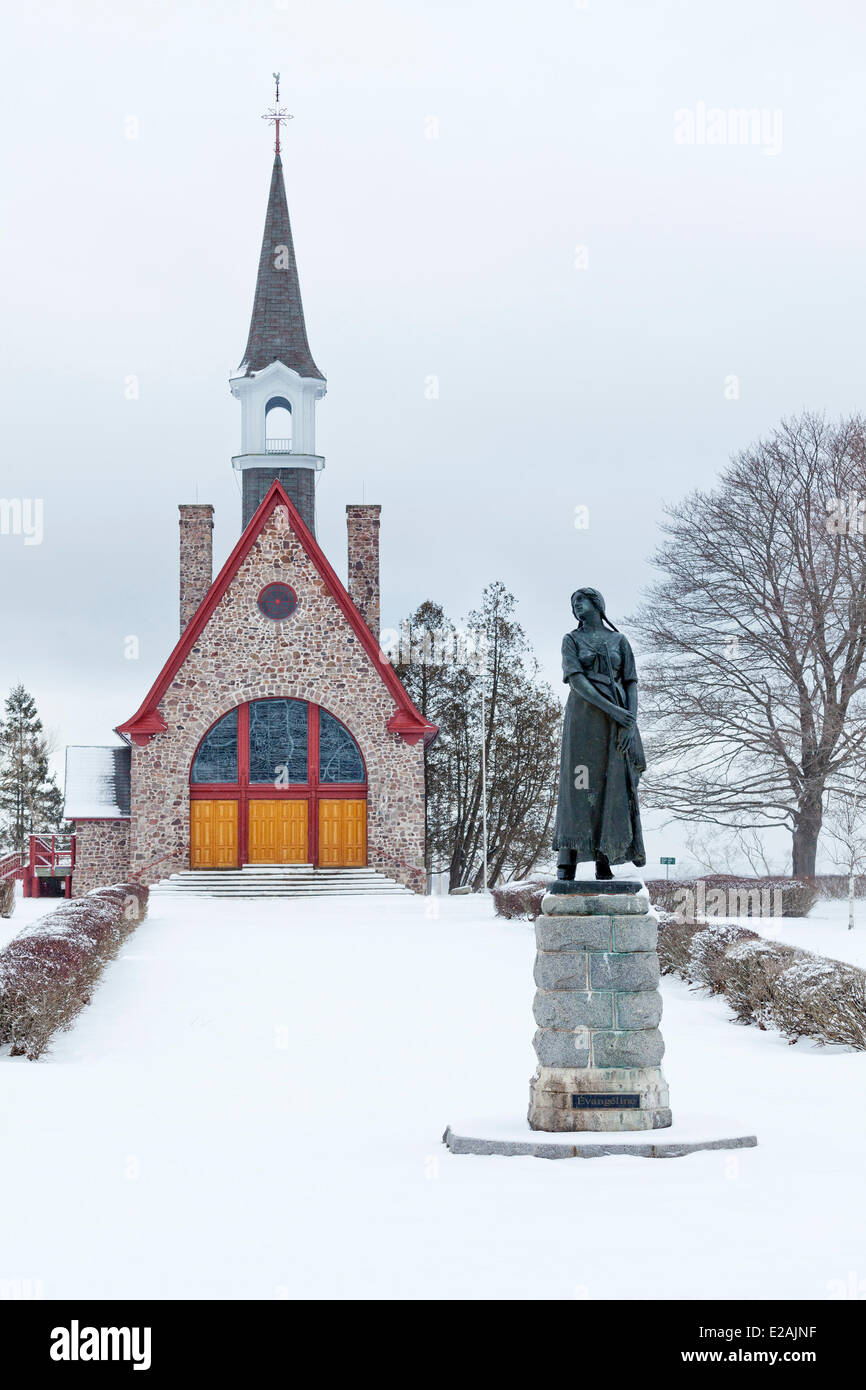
[278, 832]
[213, 837]
[343, 834]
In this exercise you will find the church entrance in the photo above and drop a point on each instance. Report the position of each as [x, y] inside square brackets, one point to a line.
[278, 782]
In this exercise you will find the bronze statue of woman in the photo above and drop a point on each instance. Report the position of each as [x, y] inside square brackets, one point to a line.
[602, 755]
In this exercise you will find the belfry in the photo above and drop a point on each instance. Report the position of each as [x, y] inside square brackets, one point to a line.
[277, 732]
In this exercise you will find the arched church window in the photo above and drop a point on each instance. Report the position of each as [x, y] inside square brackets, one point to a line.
[276, 748]
[217, 757]
[278, 741]
[278, 426]
[339, 755]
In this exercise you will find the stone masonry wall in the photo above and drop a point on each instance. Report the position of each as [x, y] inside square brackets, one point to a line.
[196, 558]
[101, 854]
[362, 523]
[313, 655]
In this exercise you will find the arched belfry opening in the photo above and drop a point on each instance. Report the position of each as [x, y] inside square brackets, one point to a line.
[279, 426]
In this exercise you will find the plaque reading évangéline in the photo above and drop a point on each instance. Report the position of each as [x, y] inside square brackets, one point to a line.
[621, 1101]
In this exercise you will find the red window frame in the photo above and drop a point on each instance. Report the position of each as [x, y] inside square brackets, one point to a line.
[312, 791]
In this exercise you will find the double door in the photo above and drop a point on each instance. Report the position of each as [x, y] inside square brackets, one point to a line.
[331, 832]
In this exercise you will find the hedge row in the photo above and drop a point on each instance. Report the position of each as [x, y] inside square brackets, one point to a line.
[768, 983]
[48, 971]
[728, 895]
[711, 895]
[832, 886]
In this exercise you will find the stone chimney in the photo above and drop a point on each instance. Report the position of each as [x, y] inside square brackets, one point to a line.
[196, 557]
[363, 526]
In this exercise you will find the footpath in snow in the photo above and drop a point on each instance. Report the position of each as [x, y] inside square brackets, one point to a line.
[253, 1104]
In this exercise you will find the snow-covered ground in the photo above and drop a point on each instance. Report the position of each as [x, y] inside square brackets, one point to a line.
[252, 1107]
[824, 931]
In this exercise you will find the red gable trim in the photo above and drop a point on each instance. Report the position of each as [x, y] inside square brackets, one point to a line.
[406, 721]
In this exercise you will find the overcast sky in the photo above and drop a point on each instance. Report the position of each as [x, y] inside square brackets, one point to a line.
[516, 201]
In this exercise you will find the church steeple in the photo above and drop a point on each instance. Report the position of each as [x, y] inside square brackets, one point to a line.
[278, 373]
[277, 329]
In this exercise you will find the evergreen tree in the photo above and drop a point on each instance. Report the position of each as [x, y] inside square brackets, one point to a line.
[30, 799]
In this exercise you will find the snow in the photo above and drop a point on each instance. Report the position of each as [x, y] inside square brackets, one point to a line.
[824, 931]
[97, 782]
[26, 910]
[253, 1104]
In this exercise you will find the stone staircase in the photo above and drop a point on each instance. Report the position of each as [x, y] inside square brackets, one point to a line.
[276, 881]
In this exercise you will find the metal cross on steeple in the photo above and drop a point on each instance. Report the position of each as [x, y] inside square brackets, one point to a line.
[277, 113]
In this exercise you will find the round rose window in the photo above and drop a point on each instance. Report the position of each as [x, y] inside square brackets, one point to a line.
[278, 601]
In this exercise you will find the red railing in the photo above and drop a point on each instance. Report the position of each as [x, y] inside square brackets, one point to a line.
[52, 852]
[50, 856]
[137, 875]
[12, 865]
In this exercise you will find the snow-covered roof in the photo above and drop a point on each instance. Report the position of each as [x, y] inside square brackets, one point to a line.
[97, 783]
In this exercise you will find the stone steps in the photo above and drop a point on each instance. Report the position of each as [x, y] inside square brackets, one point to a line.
[276, 881]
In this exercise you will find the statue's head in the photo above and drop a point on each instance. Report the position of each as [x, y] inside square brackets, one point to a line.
[583, 601]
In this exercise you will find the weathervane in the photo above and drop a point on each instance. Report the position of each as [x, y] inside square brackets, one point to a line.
[277, 113]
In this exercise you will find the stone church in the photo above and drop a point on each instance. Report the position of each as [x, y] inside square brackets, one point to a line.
[276, 732]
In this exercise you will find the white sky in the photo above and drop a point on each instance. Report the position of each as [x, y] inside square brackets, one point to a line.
[452, 257]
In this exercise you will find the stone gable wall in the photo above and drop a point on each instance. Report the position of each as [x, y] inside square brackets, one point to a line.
[313, 655]
[101, 854]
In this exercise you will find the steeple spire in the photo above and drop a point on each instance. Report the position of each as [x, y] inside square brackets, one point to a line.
[278, 379]
[277, 329]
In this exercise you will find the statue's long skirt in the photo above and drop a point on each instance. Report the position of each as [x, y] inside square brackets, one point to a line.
[597, 807]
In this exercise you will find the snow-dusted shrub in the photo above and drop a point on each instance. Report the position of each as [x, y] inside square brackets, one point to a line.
[706, 962]
[131, 897]
[799, 895]
[7, 896]
[675, 943]
[48, 971]
[748, 973]
[767, 982]
[663, 892]
[822, 999]
[522, 898]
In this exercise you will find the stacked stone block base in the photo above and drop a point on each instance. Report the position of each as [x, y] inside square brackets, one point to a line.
[598, 1008]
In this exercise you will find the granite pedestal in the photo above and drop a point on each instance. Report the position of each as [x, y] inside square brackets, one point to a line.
[598, 1009]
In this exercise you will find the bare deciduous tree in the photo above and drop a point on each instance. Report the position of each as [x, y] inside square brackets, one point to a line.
[753, 690]
[723, 852]
[522, 719]
[845, 828]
